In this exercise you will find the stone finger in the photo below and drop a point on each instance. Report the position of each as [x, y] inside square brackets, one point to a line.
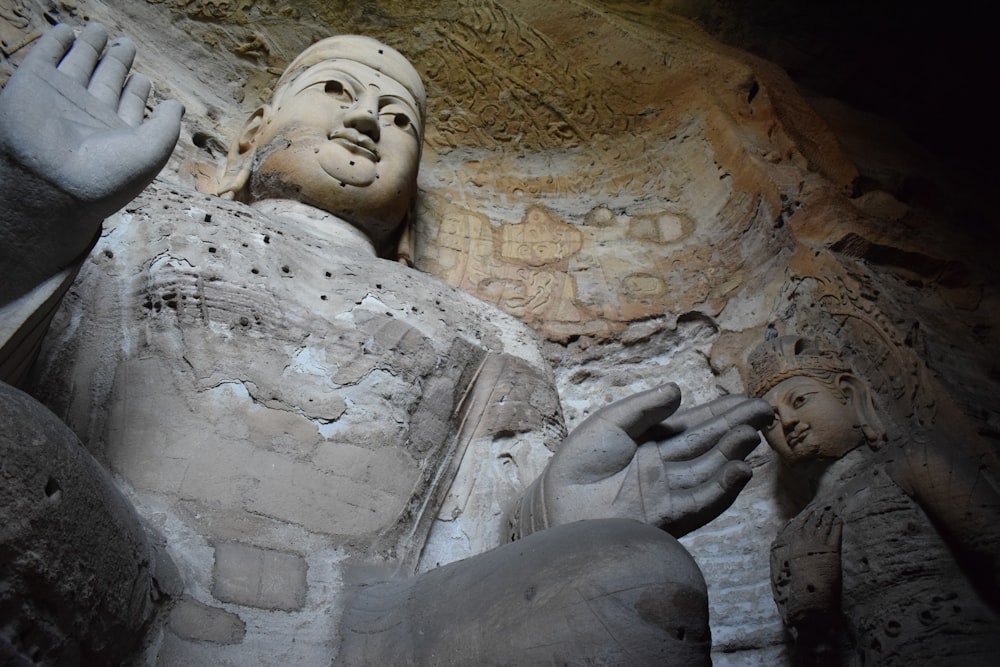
[83, 56]
[109, 77]
[733, 446]
[804, 519]
[691, 417]
[698, 505]
[739, 442]
[132, 105]
[700, 438]
[158, 135]
[51, 48]
[635, 414]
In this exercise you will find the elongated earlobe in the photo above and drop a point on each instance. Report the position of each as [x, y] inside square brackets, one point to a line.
[233, 177]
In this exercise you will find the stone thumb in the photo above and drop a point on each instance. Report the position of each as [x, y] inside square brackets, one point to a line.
[161, 131]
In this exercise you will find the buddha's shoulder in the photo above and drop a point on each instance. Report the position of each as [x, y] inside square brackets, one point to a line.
[176, 250]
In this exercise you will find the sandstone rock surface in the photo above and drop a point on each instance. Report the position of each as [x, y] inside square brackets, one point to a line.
[648, 200]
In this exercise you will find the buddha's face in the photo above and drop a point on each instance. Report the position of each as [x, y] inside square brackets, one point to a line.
[813, 420]
[344, 138]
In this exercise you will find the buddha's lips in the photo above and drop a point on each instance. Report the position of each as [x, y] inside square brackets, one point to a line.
[357, 143]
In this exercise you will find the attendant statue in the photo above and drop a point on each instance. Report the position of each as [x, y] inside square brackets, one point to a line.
[893, 559]
[286, 409]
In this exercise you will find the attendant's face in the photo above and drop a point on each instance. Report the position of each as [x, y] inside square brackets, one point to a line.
[812, 420]
[345, 138]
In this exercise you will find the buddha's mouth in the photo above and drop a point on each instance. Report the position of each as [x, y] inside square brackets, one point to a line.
[357, 143]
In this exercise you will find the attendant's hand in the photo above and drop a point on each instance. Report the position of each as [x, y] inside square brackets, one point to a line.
[806, 580]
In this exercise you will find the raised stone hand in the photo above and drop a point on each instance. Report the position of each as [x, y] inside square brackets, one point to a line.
[633, 460]
[74, 148]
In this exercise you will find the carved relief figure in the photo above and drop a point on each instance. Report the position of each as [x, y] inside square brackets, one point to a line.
[893, 558]
[287, 406]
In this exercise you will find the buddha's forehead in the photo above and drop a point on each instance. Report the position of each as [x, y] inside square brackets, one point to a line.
[356, 77]
[357, 74]
[357, 50]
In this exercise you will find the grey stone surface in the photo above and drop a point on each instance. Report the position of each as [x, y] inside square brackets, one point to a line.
[77, 572]
[191, 619]
[211, 425]
[74, 148]
[710, 201]
[263, 578]
[643, 458]
[263, 377]
[609, 592]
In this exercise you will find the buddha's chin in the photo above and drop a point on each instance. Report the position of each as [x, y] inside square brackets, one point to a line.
[348, 168]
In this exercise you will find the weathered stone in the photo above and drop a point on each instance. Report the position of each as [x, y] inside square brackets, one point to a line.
[77, 571]
[609, 591]
[263, 578]
[890, 559]
[191, 619]
[330, 167]
[618, 119]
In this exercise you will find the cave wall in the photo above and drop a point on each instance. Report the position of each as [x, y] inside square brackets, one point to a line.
[646, 198]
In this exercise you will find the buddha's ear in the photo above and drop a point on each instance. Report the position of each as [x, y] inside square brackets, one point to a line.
[856, 392]
[405, 247]
[235, 174]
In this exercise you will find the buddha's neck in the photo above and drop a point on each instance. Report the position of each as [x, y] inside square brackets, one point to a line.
[317, 221]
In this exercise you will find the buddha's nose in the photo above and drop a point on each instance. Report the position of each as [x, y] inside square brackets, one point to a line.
[363, 114]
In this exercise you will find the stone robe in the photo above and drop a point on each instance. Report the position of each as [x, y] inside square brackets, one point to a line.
[904, 599]
[279, 403]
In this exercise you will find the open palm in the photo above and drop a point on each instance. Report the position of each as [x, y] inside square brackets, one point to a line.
[74, 147]
[640, 459]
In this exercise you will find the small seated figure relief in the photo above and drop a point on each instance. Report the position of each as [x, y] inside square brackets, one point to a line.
[893, 556]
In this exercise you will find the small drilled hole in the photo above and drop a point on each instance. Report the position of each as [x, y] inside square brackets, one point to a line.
[52, 490]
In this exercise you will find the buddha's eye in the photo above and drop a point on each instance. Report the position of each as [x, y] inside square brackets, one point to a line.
[336, 88]
[397, 118]
[799, 401]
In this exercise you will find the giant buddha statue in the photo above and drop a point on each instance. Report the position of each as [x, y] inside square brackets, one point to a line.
[275, 407]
